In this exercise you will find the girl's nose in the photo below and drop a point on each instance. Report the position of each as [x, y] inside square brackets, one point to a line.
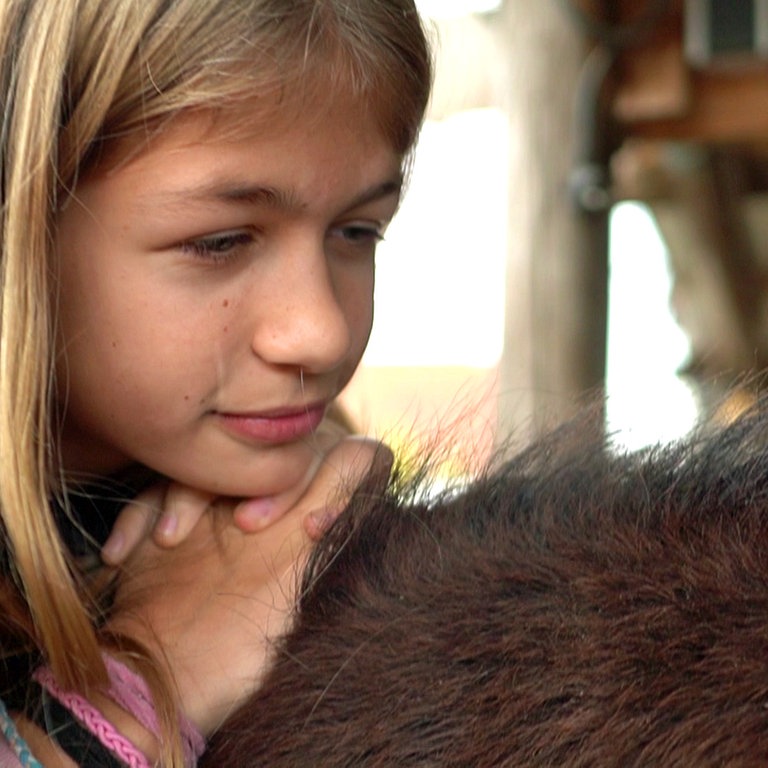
[301, 320]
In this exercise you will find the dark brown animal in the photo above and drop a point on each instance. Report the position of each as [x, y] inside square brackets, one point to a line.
[573, 608]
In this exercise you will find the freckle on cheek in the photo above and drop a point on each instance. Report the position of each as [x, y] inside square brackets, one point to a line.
[225, 303]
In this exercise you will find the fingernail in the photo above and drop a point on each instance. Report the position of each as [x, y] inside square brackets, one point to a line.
[255, 514]
[166, 526]
[113, 548]
[321, 520]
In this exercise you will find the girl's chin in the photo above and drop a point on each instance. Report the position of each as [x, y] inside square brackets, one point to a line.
[271, 479]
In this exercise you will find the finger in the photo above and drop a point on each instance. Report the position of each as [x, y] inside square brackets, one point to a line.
[347, 465]
[132, 525]
[182, 508]
[329, 481]
[256, 514]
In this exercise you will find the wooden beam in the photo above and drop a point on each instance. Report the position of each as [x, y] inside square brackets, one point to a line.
[723, 107]
[659, 95]
[554, 352]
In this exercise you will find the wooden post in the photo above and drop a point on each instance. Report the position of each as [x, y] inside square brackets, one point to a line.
[557, 267]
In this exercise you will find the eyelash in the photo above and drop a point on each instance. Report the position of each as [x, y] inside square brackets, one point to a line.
[221, 247]
[361, 235]
[217, 248]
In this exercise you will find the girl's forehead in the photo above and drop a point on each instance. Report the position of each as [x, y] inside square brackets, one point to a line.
[250, 119]
[272, 115]
[206, 155]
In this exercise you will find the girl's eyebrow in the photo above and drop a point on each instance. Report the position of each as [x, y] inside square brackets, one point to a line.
[270, 197]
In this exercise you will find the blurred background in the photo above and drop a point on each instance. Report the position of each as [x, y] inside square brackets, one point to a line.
[587, 216]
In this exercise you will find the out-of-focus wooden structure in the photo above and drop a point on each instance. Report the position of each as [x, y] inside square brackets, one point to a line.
[667, 91]
[556, 303]
[608, 100]
[690, 105]
[667, 105]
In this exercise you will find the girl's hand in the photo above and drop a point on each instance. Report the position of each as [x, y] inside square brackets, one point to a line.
[212, 606]
[169, 511]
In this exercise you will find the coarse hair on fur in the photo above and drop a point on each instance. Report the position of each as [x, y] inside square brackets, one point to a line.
[76, 78]
[576, 606]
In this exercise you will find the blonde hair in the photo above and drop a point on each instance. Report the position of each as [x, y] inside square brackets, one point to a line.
[77, 76]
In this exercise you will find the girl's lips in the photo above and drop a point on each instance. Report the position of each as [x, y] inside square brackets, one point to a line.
[275, 427]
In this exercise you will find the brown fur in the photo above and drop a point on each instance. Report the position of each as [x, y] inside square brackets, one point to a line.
[573, 608]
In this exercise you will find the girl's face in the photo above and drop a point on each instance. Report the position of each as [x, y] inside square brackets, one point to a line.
[216, 294]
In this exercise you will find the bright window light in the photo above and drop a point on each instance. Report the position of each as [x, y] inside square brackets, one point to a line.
[647, 400]
[444, 9]
[440, 272]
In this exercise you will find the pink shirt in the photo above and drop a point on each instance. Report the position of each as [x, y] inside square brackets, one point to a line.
[8, 757]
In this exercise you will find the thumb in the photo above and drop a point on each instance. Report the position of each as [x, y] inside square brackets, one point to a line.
[342, 471]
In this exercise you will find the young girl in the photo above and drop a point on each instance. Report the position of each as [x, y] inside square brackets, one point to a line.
[192, 191]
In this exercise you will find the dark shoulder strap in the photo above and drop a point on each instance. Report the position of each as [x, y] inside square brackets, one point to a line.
[64, 728]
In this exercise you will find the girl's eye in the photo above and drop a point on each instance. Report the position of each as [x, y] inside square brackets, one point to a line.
[219, 247]
[362, 233]
[359, 236]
